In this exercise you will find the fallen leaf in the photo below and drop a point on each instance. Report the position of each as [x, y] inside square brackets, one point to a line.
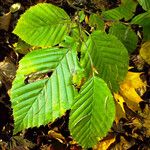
[19, 143]
[120, 112]
[123, 144]
[7, 72]
[130, 91]
[56, 135]
[145, 123]
[129, 88]
[5, 21]
[104, 144]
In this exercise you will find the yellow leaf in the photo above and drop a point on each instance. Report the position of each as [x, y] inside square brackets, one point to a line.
[120, 112]
[133, 80]
[119, 99]
[128, 89]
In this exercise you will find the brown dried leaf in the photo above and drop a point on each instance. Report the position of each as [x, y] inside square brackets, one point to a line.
[5, 21]
[123, 144]
[143, 124]
[19, 143]
[56, 135]
[7, 72]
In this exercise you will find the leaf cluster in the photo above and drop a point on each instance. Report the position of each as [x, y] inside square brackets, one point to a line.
[72, 68]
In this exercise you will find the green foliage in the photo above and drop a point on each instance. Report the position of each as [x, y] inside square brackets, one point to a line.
[126, 35]
[124, 11]
[145, 4]
[92, 112]
[144, 21]
[96, 21]
[78, 74]
[108, 56]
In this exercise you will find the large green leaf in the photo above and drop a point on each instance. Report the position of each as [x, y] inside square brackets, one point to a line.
[43, 25]
[124, 11]
[92, 113]
[145, 4]
[144, 21]
[37, 98]
[109, 57]
[126, 35]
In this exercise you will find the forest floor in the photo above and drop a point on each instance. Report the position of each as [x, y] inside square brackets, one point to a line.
[131, 131]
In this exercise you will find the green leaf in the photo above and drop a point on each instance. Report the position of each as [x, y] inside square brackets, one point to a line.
[96, 21]
[81, 15]
[144, 21]
[109, 58]
[43, 25]
[145, 4]
[92, 113]
[125, 10]
[77, 33]
[37, 98]
[126, 35]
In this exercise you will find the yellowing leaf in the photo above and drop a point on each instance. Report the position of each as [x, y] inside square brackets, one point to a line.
[145, 52]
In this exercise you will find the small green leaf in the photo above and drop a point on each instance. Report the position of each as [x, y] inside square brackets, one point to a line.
[108, 56]
[81, 16]
[92, 113]
[144, 21]
[42, 90]
[96, 21]
[124, 11]
[126, 35]
[43, 25]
